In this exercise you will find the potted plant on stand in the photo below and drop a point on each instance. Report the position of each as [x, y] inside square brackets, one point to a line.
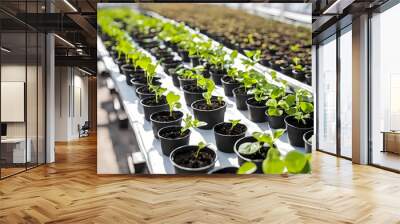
[298, 70]
[241, 93]
[195, 91]
[167, 118]
[210, 109]
[172, 137]
[277, 106]
[149, 85]
[227, 133]
[193, 158]
[257, 103]
[154, 103]
[188, 76]
[230, 82]
[255, 148]
[299, 120]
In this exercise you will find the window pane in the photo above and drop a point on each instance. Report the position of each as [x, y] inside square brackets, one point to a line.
[385, 84]
[327, 96]
[346, 94]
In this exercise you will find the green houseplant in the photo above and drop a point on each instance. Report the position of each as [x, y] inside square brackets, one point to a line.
[227, 133]
[257, 103]
[277, 105]
[241, 93]
[175, 136]
[255, 148]
[294, 162]
[299, 119]
[198, 158]
[171, 117]
[230, 81]
[209, 109]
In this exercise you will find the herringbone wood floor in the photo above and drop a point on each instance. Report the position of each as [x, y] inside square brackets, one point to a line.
[69, 191]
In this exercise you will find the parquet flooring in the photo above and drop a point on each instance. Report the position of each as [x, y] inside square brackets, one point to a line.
[70, 191]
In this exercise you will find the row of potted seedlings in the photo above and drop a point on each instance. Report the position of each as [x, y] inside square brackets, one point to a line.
[208, 110]
[284, 47]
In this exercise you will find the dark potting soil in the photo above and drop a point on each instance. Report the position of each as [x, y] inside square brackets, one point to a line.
[202, 105]
[254, 102]
[194, 89]
[225, 129]
[187, 158]
[300, 124]
[260, 155]
[165, 116]
[174, 133]
[229, 80]
[151, 101]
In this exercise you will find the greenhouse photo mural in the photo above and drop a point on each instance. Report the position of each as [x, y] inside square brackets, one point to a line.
[205, 88]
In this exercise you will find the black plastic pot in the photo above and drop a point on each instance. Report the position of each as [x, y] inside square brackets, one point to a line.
[194, 60]
[184, 82]
[308, 78]
[308, 144]
[170, 65]
[140, 81]
[243, 159]
[216, 76]
[175, 120]
[240, 98]
[175, 79]
[191, 96]
[127, 69]
[225, 170]
[188, 149]
[286, 69]
[295, 133]
[143, 94]
[225, 142]
[212, 117]
[276, 122]
[169, 142]
[298, 75]
[150, 109]
[229, 85]
[184, 55]
[257, 110]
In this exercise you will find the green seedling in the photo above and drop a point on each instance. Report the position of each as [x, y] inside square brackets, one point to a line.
[295, 48]
[249, 148]
[294, 162]
[200, 146]
[173, 102]
[158, 91]
[253, 57]
[209, 86]
[234, 123]
[190, 122]
[301, 108]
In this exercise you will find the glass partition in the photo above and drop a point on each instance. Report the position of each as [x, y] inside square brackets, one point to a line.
[327, 96]
[15, 150]
[385, 89]
[346, 92]
[22, 77]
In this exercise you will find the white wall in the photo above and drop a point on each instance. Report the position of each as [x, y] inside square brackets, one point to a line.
[71, 102]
